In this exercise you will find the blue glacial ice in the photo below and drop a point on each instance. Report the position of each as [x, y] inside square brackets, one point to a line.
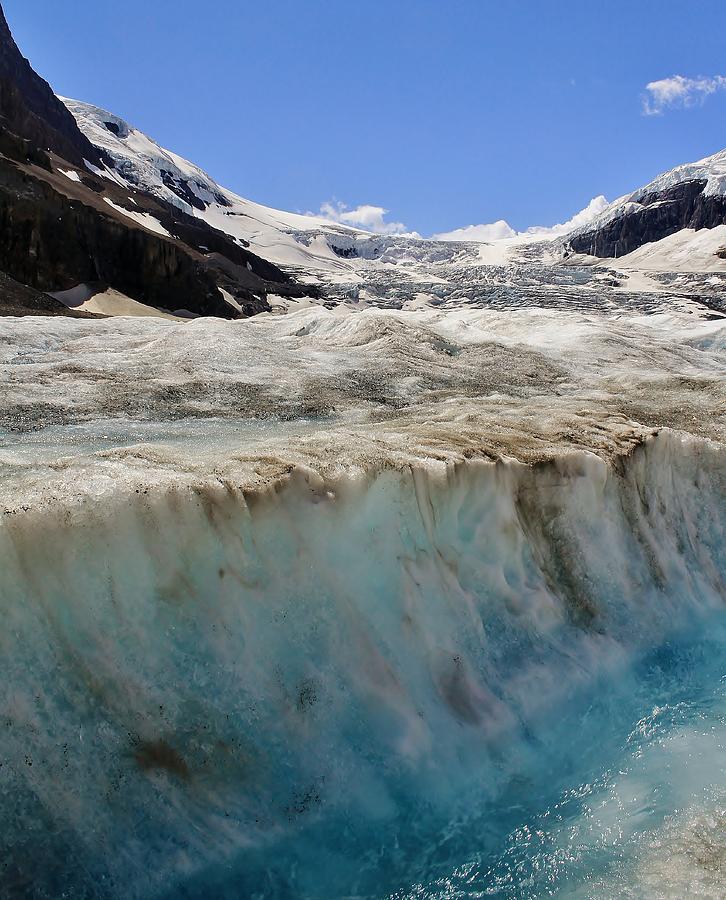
[479, 680]
[454, 629]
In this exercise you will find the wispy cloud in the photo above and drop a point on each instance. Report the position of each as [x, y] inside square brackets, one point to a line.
[366, 217]
[679, 92]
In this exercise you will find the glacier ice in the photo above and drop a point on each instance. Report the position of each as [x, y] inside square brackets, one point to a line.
[216, 683]
[385, 604]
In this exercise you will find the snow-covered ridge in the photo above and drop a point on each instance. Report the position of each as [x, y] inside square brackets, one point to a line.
[306, 243]
[360, 267]
[144, 164]
[137, 159]
[711, 169]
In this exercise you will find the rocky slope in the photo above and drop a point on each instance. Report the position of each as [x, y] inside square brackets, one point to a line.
[30, 109]
[19, 300]
[308, 244]
[692, 196]
[67, 218]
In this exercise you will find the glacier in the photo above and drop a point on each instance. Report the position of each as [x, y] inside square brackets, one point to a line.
[384, 604]
[411, 586]
[481, 265]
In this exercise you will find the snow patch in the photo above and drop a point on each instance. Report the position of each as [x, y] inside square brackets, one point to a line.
[145, 219]
[108, 302]
[711, 169]
[685, 251]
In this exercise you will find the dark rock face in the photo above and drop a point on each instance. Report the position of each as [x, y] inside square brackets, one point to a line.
[30, 109]
[53, 239]
[56, 232]
[51, 243]
[660, 214]
[345, 252]
[183, 190]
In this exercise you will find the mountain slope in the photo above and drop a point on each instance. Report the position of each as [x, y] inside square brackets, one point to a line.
[691, 196]
[354, 264]
[67, 219]
[286, 238]
[30, 109]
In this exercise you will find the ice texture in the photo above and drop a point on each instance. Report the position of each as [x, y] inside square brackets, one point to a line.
[412, 604]
[298, 691]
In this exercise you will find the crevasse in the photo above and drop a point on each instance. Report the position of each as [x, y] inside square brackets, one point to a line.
[363, 687]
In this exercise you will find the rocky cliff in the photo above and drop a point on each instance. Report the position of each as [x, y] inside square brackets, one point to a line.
[690, 196]
[30, 109]
[65, 220]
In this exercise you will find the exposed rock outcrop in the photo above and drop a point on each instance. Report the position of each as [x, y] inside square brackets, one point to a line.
[654, 217]
[61, 225]
[31, 110]
[52, 243]
[20, 300]
[56, 233]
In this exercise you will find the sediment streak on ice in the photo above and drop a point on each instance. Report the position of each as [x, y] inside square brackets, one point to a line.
[286, 588]
[207, 672]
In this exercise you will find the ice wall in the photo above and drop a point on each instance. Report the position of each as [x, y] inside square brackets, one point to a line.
[292, 692]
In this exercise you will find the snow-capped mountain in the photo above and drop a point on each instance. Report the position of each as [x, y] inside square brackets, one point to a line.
[711, 169]
[358, 268]
[67, 233]
[688, 198]
[286, 238]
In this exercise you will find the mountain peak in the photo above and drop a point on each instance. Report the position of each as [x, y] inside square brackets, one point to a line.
[30, 109]
[689, 196]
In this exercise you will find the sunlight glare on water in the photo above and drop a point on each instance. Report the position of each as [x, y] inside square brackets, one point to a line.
[640, 810]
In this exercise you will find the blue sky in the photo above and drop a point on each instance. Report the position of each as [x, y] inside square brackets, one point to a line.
[446, 113]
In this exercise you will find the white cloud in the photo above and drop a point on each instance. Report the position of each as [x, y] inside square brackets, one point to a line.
[500, 230]
[679, 92]
[373, 218]
[366, 217]
[593, 209]
[496, 231]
